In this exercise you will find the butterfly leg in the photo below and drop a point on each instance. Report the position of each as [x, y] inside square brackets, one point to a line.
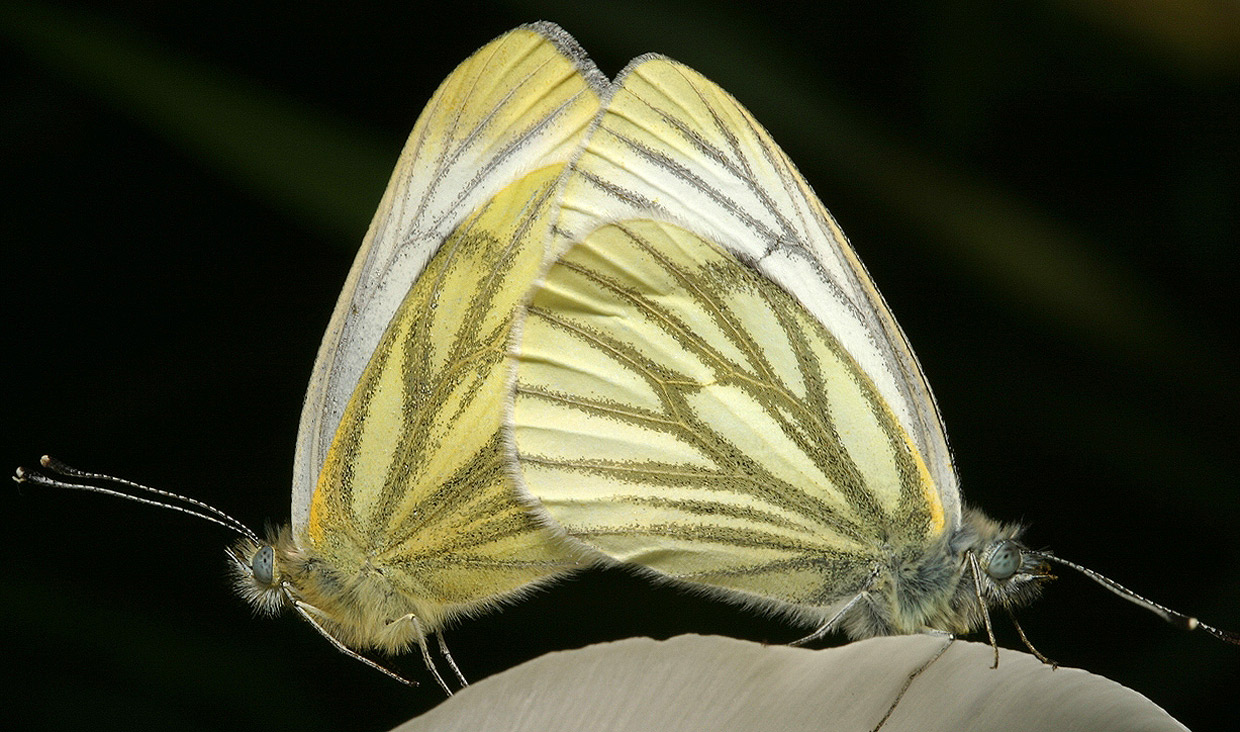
[949, 638]
[1025, 640]
[308, 612]
[426, 654]
[981, 603]
[443, 651]
[828, 626]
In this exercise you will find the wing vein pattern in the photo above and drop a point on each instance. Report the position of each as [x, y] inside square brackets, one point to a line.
[709, 385]
[521, 104]
[403, 500]
[673, 146]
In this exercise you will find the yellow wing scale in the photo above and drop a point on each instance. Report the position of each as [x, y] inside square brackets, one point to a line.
[685, 401]
[676, 407]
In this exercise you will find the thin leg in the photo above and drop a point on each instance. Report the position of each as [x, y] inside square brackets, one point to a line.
[829, 626]
[909, 681]
[304, 610]
[426, 654]
[443, 650]
[1029, 645]
[981, 603]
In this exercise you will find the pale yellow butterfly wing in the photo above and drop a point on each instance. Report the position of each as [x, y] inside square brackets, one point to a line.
[674, 146]
[518, 104]
[415, 485]
[653, 428]
[710, 386]
[413, 518]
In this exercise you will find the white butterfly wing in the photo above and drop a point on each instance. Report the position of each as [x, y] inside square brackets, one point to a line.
[497, 117]
[675, 147]
[708, 385]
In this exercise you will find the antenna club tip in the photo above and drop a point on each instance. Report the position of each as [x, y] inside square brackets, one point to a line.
[1191, 623]
[46, 461]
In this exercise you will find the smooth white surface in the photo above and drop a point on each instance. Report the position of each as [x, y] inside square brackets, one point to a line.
[711, 683]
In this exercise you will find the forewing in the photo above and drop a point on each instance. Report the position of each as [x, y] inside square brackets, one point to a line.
[673, 146]
[416, 482]
[679, 411]
[519, 104]
[709, 384]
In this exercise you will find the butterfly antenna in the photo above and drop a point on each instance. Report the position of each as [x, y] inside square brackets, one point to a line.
[194, 507]
[1178, 619]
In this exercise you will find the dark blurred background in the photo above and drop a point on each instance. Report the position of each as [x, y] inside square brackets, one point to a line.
[1047, 193]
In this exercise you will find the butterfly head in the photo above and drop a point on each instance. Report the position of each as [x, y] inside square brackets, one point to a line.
[999, 570]
[1011, 576]
[259, 570]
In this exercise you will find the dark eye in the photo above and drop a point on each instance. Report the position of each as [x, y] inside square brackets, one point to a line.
[263, 565]
[1003, 561]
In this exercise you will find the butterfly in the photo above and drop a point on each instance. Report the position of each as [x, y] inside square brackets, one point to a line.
[710, 389]
[404, 516]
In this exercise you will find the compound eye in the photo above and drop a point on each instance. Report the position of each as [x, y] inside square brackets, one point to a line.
[263, 565]
[1003, 561]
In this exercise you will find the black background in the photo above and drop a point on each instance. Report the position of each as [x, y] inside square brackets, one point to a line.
[1046, 195]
